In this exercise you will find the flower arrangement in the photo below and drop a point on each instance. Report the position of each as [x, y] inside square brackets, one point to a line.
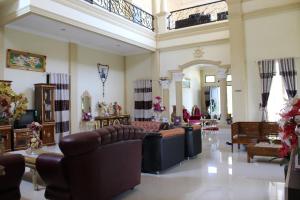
[34, 141]
[290, 119]
[103, 109]
[12, 105]
[86, 116]
[158, 105]
[158, 108]
[117, 108]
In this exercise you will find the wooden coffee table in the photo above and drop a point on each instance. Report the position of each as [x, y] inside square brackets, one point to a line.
[30, 160]
[262, 149]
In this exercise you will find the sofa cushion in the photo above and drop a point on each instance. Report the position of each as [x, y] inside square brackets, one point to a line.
[172, 132]
[148, 126]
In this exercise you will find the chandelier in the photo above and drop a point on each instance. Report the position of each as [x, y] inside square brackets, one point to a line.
[103, 74]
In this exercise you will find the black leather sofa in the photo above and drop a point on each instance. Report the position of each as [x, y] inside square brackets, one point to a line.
[193, 141]
[162, 150]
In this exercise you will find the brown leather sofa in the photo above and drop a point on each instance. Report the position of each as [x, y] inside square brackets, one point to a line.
[14, 166]
[251, 132]
[96, 165]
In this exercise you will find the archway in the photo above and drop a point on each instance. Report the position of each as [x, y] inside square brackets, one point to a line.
[177, 79]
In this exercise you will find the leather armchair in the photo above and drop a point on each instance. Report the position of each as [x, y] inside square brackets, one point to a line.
[14, 166]
[95, 165]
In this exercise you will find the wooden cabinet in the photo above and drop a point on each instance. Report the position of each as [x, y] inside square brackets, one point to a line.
[21, 137]
[111, 120]
[48, 134]
[44, 104]
[5, 131]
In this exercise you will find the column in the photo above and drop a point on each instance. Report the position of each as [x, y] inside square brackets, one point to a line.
[221, 76]
[177, 77]
[162, 21]
[165, 83]
[238, 60]
[154, 13]
[74, 108]
[156, 90]
[2, 53]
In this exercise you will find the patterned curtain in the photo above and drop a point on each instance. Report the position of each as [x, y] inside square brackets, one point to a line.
[288, 72]
[266, 71]
[62, 101]
[143, 100]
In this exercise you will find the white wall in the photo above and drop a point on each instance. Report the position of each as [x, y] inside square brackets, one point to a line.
[57, 53]
[192, 96]
[88, 77]
[267, 37]
[170, 60]
[138, 67]
[57, 60]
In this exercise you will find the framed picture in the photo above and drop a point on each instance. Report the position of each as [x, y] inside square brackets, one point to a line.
[25, 61]
[186, 83]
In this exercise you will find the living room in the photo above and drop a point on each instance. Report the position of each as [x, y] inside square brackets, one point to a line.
[195, 69]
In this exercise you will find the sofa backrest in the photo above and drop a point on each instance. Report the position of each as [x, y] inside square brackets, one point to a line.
[148, 126]
[254, 129]
[102, 163]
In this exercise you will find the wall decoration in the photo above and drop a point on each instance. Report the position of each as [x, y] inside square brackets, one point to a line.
[25, 61]
[186, 83]
[103, 74]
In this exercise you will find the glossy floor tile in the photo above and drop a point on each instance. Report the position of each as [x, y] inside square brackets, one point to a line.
[213, 175]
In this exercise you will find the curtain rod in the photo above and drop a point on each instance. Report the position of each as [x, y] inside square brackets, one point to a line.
[277, 58]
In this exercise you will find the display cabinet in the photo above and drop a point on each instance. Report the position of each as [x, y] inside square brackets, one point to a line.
[44, 104]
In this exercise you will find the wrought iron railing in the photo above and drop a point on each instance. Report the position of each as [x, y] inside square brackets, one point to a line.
[205, 13]
[126, 10]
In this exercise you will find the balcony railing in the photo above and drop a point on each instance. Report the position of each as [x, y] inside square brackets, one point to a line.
[126, 10]
[202, 14]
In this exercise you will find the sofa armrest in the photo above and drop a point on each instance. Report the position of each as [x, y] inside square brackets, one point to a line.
[14, 167]
[50, 168]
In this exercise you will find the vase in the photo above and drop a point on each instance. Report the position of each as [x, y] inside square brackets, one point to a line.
[157, 116]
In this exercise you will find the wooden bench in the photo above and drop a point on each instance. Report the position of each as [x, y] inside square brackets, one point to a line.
[252, 132]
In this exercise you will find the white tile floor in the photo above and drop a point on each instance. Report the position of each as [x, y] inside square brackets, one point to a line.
[215, 174]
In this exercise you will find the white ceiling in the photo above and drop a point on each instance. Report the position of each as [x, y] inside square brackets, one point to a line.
[49, 28]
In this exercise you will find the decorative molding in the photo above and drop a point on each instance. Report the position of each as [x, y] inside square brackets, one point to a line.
[178, 76]
[221, 74]
[164, 82]
[200, 61]
[198, 53]
[193, 45]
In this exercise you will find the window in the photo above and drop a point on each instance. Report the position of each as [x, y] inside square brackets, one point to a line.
[229, 78]
[210, 79]
[277, 97]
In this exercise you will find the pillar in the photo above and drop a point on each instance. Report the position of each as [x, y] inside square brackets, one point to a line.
[177, 77]
[156, 90]
[2, 53]
[165, 83]
[238, 60]
[162, 21]
[221, 76]
[74, 106]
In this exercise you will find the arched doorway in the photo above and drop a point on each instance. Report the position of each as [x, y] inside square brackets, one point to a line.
[182, 95]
